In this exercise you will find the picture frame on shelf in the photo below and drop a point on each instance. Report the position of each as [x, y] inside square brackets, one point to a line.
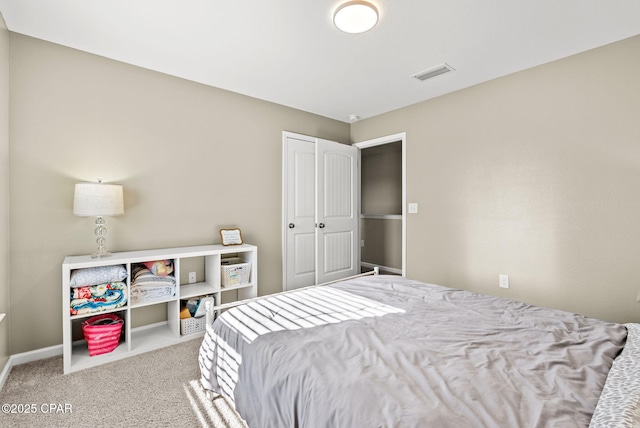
[231, 236]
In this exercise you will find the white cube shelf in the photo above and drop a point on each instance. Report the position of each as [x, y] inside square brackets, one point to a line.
[153, 336]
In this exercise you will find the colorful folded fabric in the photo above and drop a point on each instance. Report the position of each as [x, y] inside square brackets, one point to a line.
[98, 298]
[160, 267]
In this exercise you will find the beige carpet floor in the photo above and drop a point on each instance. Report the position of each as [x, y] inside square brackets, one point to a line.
[155, 389]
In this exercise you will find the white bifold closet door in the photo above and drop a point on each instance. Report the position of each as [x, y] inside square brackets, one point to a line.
[320, 205]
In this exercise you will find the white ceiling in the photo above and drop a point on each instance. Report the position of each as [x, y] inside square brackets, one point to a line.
[288, 52]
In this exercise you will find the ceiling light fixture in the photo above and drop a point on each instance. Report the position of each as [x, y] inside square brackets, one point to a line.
[355, 17]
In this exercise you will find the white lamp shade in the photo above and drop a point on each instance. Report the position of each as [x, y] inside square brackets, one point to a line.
[97, 199]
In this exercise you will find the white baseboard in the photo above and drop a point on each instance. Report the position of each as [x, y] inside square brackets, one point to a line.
[27, 357]
[384, 268]
[5, 372]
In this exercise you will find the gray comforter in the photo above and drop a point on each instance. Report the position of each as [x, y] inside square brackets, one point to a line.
[386, 351]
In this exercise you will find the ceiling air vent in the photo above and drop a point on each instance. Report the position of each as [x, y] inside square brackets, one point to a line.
[433, 72]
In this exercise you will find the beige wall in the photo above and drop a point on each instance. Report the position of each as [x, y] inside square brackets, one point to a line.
[382, 242]
[381, 179]
[535, 175]
[4, 191]
[192, 159]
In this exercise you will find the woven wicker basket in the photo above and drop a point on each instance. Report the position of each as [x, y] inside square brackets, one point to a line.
[192, 325]
[235, 274]
[102, 333]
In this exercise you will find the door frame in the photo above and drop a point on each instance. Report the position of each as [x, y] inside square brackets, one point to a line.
[402, 137]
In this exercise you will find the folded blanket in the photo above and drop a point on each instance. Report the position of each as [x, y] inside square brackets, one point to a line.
[97, 275]
[98, 298]
[146, 286]
[140, 275]
[146, 293]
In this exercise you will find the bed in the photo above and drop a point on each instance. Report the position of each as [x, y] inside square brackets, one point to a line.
[387, 351]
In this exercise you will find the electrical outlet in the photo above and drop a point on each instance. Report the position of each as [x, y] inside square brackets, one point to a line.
[504, 281]
[413, 208]
[192, 277]
[362, 242]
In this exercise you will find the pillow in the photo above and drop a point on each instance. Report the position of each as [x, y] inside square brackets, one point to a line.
[97, 275]
[160, 267]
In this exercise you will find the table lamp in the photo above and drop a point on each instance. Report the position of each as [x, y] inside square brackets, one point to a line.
[99, 200]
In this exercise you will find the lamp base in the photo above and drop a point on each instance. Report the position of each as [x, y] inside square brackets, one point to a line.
[100, 231]
[101, 253]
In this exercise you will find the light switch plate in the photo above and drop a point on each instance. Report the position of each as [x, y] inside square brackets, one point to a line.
[504, 281]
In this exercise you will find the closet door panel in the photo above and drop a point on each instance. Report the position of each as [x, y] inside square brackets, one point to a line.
[304, 203]
[337, 203]
[338, 191]
[304, 254]
[338, 253]
[300, 208]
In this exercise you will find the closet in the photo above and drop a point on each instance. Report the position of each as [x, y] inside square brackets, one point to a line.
[381, 219]
[320, 211]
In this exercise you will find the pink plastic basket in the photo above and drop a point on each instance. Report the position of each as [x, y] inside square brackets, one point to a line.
[102, 333]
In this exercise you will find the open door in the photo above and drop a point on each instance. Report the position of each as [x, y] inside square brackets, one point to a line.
[336, 211]
[320, 211]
